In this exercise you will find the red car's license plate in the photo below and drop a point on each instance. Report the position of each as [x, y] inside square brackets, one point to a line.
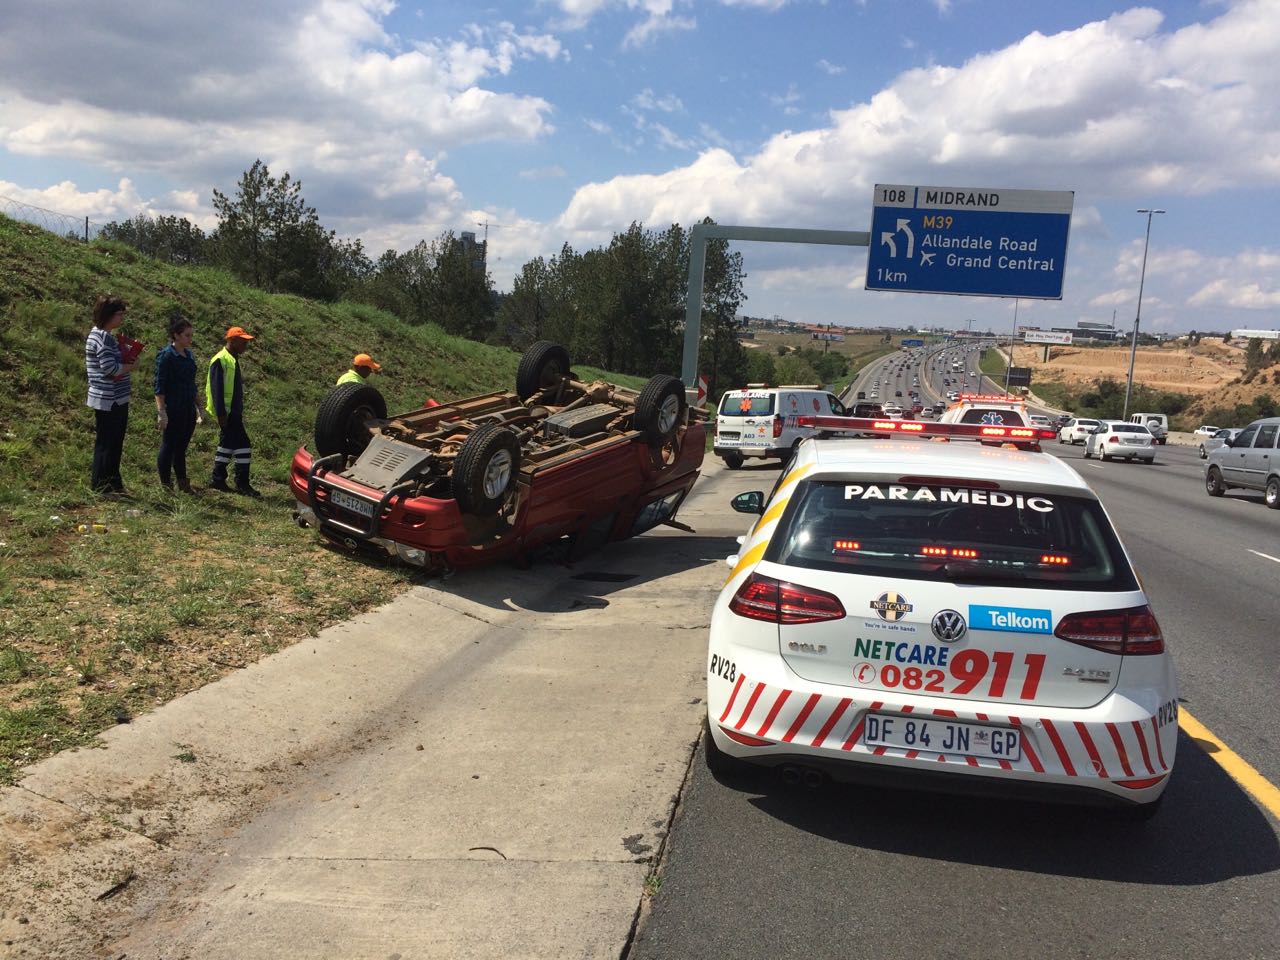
[354, 504]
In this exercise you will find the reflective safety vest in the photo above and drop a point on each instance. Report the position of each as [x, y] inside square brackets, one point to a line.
[228, 362]
[350, 377]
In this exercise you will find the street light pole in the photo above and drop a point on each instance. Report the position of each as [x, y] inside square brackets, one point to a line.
[1142, 279]
[1008, 367]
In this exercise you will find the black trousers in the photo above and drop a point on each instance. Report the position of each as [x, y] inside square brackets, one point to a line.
[174, 442]
[108, 447]
[233, 445]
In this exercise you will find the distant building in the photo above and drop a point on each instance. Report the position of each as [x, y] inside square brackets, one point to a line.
[1255, 334]
[476, 251]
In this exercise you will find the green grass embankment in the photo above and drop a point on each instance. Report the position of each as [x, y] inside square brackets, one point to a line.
[108, 607]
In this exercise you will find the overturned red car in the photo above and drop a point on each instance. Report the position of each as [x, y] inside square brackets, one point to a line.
[499, 475]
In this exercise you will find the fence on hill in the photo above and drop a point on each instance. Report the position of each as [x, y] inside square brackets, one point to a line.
[64, 224]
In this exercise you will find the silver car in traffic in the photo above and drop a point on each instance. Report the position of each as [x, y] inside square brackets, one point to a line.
[1217, 439]
[1250, 461]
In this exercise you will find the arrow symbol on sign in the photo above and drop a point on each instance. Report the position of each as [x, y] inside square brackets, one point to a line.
[905, 227]
[887, 237]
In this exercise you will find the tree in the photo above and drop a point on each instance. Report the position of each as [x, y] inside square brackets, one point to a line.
[1254, 359]
[172, 239]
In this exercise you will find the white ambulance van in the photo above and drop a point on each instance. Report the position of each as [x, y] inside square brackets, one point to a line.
[1157, 423]
[761, 421]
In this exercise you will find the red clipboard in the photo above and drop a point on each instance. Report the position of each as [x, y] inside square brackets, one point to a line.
[130, 350]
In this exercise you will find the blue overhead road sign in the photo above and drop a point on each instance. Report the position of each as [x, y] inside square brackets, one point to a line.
[974, 241]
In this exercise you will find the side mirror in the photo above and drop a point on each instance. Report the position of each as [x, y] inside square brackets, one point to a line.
[750, 502]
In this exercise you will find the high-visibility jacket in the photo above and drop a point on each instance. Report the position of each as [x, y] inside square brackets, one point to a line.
[229, 370]
[350, 377]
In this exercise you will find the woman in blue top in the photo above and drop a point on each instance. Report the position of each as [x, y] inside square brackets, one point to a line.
[109, 391]
[175, 390]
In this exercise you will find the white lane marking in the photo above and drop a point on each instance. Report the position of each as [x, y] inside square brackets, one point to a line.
[1265, 556]
[1097, 466]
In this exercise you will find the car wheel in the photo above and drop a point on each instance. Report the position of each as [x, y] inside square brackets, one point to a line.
[733, 461]
[1203, 455]
[719, 763]
[1272, 494]
[660, 409]
[342, 422]
[543, 365]
[1213, 484]
[485, 470]
[1087, 454]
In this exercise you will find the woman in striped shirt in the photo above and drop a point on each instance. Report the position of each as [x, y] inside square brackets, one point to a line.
[109, 391]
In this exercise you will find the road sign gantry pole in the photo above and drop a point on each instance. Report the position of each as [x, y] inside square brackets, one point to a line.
[698, 237]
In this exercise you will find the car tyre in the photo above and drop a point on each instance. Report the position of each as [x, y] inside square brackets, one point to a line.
[1213, 484]
[660, 409]
[1087, 454]
[342, 422]
[733, 461]
[543, 365]
[1272, 493]
[485, 470]
[1203, 455]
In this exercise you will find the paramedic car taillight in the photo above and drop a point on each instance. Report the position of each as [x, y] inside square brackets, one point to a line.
[764, 598]
[1128, 632]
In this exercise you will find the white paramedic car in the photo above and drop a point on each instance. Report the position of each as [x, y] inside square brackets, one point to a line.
[950, 615]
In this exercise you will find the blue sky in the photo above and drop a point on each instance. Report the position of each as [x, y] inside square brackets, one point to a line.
[563, 121]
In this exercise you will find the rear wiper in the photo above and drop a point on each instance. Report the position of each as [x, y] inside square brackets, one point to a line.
[962, 570]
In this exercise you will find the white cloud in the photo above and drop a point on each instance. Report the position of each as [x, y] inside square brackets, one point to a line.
[553, 172]
[315, 87]
[647, 100]
[831, 69]
[654, 26]
[1086, 106]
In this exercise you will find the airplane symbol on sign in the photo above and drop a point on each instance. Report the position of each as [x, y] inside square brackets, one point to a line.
[926, 259]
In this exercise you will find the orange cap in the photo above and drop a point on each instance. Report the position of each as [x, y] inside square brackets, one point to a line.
[238, 333]
[364, 360]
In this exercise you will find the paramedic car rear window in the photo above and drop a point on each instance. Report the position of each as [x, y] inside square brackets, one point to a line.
[746, 406]
[947, 531]
[993, 417]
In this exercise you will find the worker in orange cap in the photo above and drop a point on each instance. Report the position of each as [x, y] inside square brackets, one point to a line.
[224, 399]
[362, 367]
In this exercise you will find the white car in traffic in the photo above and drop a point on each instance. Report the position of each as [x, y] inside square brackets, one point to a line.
[1077, 430]
[943, 614]
[1118, 440]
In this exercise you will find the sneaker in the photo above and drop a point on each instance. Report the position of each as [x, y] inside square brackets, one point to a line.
[248, 491]
[219, 483]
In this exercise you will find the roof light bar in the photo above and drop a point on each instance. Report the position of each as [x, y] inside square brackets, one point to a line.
[927, 428]
[991, 398]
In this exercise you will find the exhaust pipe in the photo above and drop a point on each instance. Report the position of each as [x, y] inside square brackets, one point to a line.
[791, 775]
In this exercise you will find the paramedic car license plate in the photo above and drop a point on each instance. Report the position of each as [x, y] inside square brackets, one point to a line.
[354, 504]
[929, 734]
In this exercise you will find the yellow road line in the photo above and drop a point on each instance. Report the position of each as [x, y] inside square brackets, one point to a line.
[1241, 771]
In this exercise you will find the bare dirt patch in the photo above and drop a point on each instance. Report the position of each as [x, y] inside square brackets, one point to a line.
[1205, 368]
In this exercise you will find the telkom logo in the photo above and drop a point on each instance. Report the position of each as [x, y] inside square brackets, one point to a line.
[1010, 619]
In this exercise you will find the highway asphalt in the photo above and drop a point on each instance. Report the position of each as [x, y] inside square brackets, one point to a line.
[758, 869]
